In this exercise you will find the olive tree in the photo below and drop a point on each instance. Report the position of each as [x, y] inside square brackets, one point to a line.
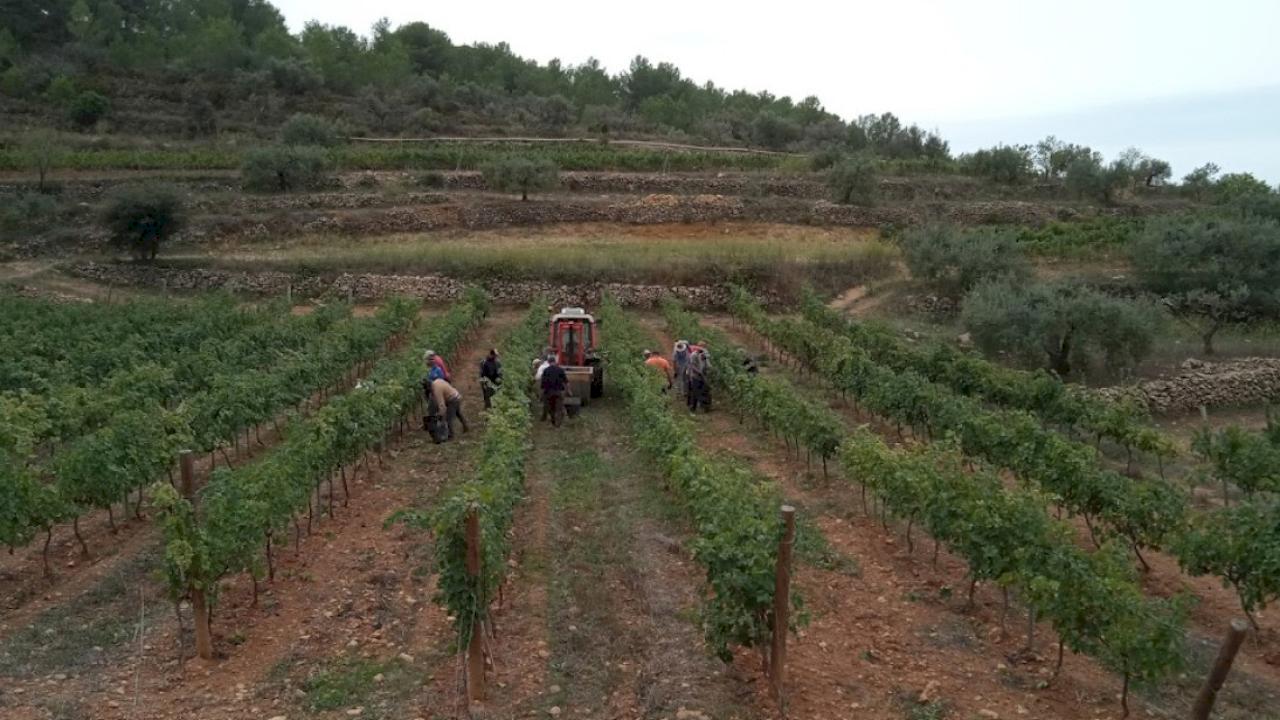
[141, 217]
[41, 150]
[1199, 182]
[1235, 187]
[1089, 179]
[854, 181]
[1003, 163]
[1211, 271]
[1062, 327]
[521, 174]
[952, 260]
[285, 168]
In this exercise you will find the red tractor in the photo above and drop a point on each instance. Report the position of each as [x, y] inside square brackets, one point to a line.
[574, 338]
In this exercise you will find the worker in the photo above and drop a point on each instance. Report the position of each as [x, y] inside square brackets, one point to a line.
[654, 360]
[554, 383]
[490, 377]
[436, 361]
[680, 359]
[447, 396]
[699, 390]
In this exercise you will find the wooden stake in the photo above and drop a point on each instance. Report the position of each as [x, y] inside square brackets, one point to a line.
[782, 603]
[187, 471]
[204, 638]
[1221, 668]
[475, 649]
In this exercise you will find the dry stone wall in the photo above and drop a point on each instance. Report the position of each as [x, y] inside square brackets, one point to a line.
[372, 287]
[1233, 383]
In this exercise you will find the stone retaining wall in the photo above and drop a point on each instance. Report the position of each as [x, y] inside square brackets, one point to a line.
[1232, 383]
[371, 287]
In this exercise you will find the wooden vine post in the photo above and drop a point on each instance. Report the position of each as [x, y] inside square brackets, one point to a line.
[782, 603]
[475, 648]
[199, 603]
[187, 473]
[1221, 668]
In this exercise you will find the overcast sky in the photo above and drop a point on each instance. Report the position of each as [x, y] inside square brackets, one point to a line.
[1188, 80]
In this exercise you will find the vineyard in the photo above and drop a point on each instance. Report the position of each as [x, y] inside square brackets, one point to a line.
[260, 471]
[385, 372]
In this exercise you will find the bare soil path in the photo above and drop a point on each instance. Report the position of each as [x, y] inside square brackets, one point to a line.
[623, 592]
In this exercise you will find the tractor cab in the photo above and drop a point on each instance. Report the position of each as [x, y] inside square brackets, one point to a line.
[573, 337]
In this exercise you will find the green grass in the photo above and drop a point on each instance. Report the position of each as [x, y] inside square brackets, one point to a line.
[1094, 238]
[349, 682]
[82, 632]
[756, 261]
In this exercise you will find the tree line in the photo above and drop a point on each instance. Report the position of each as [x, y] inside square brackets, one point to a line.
[409, 78]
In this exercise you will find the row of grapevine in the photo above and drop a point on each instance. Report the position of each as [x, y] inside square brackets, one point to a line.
[44, 344]
[492, 492]
[236, 515]
[141, 365]
[1250, 461]
[1241, 546]
[1092, 600]
[140, 439]
[774, 404]
[1143, 511]
[736, 518]
[1041, 393]
[1005, 536]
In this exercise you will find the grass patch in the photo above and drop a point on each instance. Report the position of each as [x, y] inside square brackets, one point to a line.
[81, 632]
[914, 708]
[349, 682]
[823, 260]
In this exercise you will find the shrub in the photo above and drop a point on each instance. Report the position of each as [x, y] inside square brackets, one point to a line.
[1234, 187]
[202, 119]
[952, 261]
[1221, 270]
[1002, 163]
[1265, 207]
[294, 77]
[141, 217]
[61, 91]
[854, 181]
[1061, 327]
[303, 129]
[27, 210]
[285, 168]
[432, 179]
[823, 159]
[87, 109]
[773, 131]
[24, 80]
[518, 173]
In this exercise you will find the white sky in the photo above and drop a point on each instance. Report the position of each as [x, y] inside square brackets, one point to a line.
[939, 63]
